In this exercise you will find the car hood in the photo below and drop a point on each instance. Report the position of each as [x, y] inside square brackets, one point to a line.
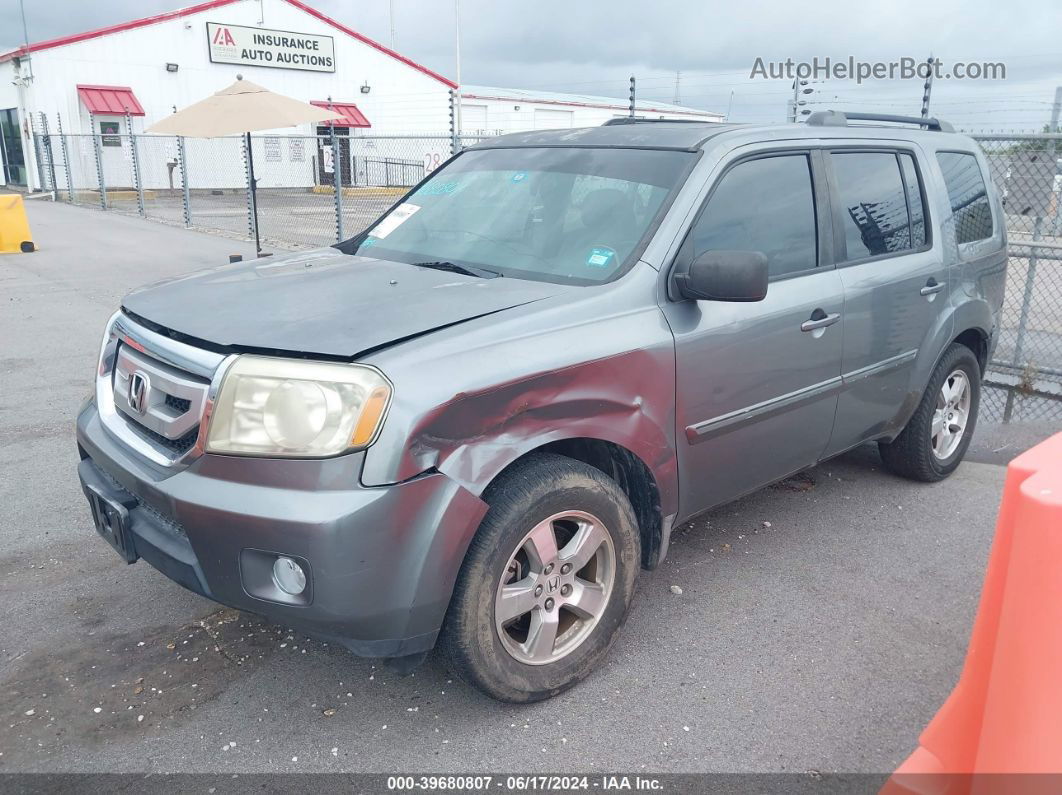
[323, 302]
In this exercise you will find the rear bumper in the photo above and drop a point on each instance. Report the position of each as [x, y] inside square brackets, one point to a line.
[382, 561]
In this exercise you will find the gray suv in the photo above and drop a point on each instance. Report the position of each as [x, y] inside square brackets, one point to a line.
[470, 426]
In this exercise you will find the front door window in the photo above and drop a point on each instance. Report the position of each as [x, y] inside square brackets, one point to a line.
[764, 205]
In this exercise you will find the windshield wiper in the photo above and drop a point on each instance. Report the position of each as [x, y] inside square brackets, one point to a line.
[454, 267]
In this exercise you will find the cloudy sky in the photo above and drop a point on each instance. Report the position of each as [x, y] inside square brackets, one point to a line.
[592, 46]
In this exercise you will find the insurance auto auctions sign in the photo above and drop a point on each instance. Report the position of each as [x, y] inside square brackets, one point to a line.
[281, 49]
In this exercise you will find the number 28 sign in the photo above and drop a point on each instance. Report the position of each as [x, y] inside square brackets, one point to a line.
[432, 160]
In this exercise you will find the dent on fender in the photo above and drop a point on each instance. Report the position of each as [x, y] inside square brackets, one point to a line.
[625, 399]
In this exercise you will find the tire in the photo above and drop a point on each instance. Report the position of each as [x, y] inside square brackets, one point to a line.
[567, 498]
[912, 454]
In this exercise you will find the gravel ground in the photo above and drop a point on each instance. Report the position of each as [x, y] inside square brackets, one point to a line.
[815, 625]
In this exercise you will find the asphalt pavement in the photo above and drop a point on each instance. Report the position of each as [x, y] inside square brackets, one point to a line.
[820, 624]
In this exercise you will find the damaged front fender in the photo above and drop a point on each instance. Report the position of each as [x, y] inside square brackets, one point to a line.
[469, 402]
[474, 437]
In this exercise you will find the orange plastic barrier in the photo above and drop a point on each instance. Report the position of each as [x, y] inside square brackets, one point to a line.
[1005, 714]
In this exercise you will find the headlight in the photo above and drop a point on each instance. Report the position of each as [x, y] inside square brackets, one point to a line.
[292, 408]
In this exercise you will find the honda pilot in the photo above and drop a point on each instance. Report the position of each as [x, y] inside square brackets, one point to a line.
[470, 426]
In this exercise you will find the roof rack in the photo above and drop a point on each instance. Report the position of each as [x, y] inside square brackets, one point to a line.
[836, 118]
[617, 120]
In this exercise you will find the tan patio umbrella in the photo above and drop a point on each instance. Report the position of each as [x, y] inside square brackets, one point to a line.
[243, 108]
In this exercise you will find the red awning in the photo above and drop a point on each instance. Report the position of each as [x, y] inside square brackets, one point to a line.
[347, 113]
[112, 100]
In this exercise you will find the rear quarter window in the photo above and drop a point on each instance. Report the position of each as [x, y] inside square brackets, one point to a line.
[971, 211]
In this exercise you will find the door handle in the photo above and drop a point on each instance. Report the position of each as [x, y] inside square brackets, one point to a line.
[932, 287]
[819, 319]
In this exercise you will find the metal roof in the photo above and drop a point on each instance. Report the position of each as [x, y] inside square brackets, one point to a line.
[347, 113]
[210, 5]
[113, 100]
[581, 100]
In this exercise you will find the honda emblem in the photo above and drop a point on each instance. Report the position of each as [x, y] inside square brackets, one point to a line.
[139, 392]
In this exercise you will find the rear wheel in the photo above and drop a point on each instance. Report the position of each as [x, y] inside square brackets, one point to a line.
[547, 581]
[936, 438]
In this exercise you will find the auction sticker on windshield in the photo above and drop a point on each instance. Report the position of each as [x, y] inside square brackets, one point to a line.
[601, 256]
[394, 219]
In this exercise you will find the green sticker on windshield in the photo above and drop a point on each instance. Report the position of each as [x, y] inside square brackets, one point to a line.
[600, 257]
[439, 188]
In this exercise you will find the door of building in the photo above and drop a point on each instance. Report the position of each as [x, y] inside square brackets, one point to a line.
[546, 119]
[340, 157]
[14, 161]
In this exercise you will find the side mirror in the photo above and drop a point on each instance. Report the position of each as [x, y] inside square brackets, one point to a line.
[725, 276]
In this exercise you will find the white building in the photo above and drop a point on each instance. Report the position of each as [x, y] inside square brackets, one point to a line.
[149, 67]
[487, 110]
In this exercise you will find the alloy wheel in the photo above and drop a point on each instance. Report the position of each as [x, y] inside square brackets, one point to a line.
[951, 415]
[555, 587]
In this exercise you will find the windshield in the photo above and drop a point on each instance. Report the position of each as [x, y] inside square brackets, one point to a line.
[560, 215]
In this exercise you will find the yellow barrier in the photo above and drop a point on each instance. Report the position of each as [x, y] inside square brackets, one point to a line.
[14, 228]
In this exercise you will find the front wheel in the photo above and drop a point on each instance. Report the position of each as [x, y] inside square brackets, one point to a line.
[935, 439]
[547, 581]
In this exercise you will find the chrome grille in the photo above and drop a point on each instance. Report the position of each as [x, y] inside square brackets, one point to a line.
[154, 393]
[178, 446]
[145, 391]
[179, 404]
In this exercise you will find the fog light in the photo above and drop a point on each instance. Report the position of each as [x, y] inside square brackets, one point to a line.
[289, 576]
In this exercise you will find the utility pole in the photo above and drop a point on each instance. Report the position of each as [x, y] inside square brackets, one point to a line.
[678, 80]
[1056, 111]
[25, 38]
[930, 63]
[455, 136]
[1033, 259]
[391, 11]
[631, 108]
[457, 41]
[793, 105]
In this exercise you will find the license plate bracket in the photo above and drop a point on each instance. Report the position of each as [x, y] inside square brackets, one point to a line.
[112, 522]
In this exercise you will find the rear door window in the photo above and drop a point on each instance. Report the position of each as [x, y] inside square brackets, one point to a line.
[764, 205]
[873, 204]
[971, 212]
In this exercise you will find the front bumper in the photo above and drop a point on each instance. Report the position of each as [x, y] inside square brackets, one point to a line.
[383, 561]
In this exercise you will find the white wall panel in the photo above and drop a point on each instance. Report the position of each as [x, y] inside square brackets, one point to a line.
[402, 99]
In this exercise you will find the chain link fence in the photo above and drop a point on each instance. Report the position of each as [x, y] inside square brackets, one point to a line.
[203, 182]
[1025, 374]
[316, 190]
